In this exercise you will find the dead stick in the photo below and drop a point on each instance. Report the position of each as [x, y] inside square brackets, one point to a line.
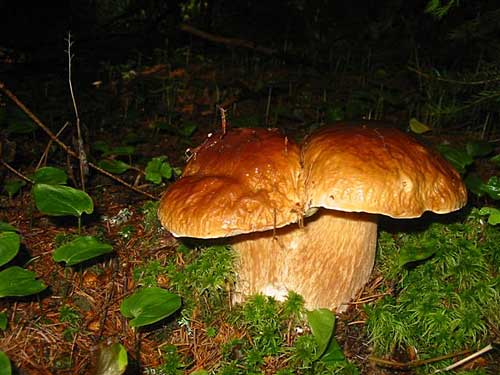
[417, 363]
[228, 41]
[16, 172]
[68, 150]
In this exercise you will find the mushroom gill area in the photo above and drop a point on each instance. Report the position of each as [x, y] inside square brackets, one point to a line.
[327, 260]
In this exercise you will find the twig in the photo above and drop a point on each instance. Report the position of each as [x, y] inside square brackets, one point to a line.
[228, 41]
[486, 349]
[16, 172]
[447, 80]
[45, 154]
[82, 157]
[68, 150]
[417, 363]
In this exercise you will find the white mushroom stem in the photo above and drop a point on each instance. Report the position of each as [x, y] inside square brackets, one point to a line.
[327, 261]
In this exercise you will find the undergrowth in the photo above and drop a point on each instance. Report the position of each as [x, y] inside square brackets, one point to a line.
[445, 303]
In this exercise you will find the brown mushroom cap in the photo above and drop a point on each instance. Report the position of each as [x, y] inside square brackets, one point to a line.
[376, 169]
[244, 181]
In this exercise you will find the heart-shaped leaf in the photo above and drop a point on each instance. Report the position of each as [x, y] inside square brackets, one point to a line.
[16, 281]
[322, 323]
[114, 166]
[111, 360]
[6, 227]
[50, 175]
[9, 246]
[59, 200]
[81, 249]
[5, 367]
[149, 305]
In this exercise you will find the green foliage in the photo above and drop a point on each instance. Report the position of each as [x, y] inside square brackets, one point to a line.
[173, 363]
[5, 367]
[16, 281]
[72, 319]
[3, 321]
[114, 166]
[492, 213]
[9, 246]
[12, 187]
[158, 169]
[149, 305]
[440, 8]
[50, 175]
[58, 200]
[81, 249]
[444, 303]
[111, 360]
[18, 122]
[150, 211]
[207, 276]
[147, 274]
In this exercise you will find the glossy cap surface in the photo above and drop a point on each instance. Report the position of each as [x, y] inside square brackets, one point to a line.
[377, 169]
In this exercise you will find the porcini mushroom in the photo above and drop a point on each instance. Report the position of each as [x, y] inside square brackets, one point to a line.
[253, 183]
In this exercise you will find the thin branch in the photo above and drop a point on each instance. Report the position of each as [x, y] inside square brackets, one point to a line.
[486, 349]
[45, 154]
[447, 80]
[417, 363]
[68, 150]
[228, 41]
[16, 172]
[81, 152]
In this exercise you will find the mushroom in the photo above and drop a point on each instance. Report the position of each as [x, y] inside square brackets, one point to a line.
[305, 219]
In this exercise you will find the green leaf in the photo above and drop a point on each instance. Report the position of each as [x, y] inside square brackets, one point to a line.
[418, 127]
[410, 254]
[157, 169]
[58, 200]
[149, 305]
[16, 281]
[111, 360]
[81, 249]
[5, 368]
[22, 127]
[492, 187]
[166, 170]
[495, 159]
[474, 184]
[50, 175]
[114, 166]
[333, 352]
[3, 321]
[187, 129]
[199, 372]
[478, 148]
[494, 214]
[100, 146]
[120, 151]
[9, 246]
[13, 186]
[322, 323]
[460, 159]
[6, 227]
